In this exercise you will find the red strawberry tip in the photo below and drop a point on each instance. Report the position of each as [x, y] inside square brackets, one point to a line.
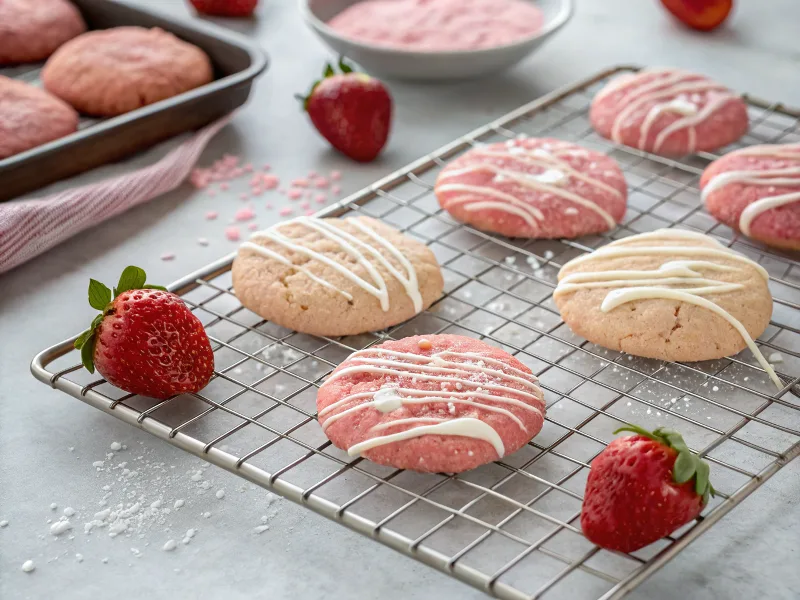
[687, 466]
[100, 298]
[329, 71]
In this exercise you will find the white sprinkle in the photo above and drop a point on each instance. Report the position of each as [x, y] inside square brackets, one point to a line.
[570, 211]
[117, 528]
[97, 463]
[548, 254]
[4, 523]
[260, 529]
[79, 557]
[28, 566]
[169, 546]
[746, 378]
[776, 357]
[168, 256]
[205, 485]
[60, 527]
[471, 453]
[115, 446]
[71, 448]
[155, 504]
[102, 515]
[69, 511]
[451, 408]
[197, 476]
[179, 503]
[190, 533]
[510, 260]
[124, 447]
[629, 403]
[715, 388]
[136, 552]
[649, 411]
[104, 561]
[202, 241]
[206, 515]
[220, 494]
[53, 506]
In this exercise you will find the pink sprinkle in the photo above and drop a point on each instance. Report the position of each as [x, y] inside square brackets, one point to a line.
[233, 233]
[168, 256]
[312, 174]
[252, 226]
[256, 192]
[243, 196]
[320, 199]
[309, 213]
[255, 180]
[286, 211]
[269, 206]
[223, 186]
[202, 241]
[212, 193]
[321, 183]
[237, 172]
[336, 189]
[267, 167]
[295, 194]
[270, 182]
[336, 175]
[305, 205]
[211, 215]
[248, 168]
[300, 182]
[244, 214]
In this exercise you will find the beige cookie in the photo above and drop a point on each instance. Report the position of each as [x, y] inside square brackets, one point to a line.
[668, 294]
[335, 277]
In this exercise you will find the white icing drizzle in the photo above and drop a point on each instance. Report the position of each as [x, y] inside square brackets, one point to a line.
[354, 247]
[524, 179]
[778, 177]
[454, 374]
[679, 89]
[630, 285]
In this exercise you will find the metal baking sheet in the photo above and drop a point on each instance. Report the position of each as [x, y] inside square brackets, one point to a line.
[510, 528]
[99, 141]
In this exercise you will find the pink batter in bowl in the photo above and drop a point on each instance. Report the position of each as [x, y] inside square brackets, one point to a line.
[439, 25]
[435, 40]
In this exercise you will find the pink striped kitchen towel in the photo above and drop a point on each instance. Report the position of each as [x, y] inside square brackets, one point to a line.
[30, 227]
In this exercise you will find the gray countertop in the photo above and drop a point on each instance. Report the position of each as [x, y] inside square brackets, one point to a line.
[49, 441]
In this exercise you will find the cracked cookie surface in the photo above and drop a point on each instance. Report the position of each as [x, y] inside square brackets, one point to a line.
[654, 295]
[335, 277]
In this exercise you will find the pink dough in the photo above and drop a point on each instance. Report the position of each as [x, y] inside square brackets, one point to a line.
[439, 25]
[491, 378]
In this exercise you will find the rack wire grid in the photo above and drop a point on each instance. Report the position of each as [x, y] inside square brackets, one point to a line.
[510, 528]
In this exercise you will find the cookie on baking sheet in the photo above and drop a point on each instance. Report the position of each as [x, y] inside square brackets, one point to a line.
[436, 404]
[668, 294]
[30, 117]
[756, 190]
[114, 71]
[668, 112]
[534, 188]
[335, 277]
[31, 30]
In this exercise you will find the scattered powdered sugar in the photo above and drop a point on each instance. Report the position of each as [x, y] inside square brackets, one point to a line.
[169, 546]
[54, 506]
[220, 494]
[28, 566]
[69, 511]
[4, 523]
[116, 446]
[60, 527]
[260, 529]
[179, 503]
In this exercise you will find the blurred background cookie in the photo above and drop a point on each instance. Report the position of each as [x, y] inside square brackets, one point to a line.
[113, 71]
[668, 112]
[756, 190]
[336, 276]
[29, 117]
[31, 30]
[534, 188]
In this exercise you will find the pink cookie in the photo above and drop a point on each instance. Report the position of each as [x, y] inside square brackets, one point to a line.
[534, 188]
[668, 112]
[113, 71]
[756, 190]
[30, 117]
[31, 30]
[435, 403]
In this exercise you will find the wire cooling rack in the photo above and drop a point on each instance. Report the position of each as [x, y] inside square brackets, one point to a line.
[510, 528]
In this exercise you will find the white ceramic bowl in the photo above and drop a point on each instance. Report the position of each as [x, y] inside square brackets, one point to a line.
[431, 66]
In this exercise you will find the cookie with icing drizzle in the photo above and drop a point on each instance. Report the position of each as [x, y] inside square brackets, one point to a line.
[756, 190]
[668, 294]
[436, 404]
[670, 112]
[335, 277]
[534, 188]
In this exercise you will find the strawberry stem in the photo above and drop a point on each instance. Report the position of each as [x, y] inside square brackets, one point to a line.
[687, 466]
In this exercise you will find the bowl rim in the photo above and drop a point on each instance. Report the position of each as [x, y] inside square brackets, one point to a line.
[565, 11]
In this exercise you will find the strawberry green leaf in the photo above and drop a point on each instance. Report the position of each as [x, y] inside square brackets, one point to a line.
[701, 483]
[99, 295]
[154, 287]
[685, 467]
[329, 72]
[344, 67]
[132, 278]
[81, 339]
[639, 431]
[87, 354]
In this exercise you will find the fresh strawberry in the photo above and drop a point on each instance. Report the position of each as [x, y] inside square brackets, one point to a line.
[225, 8]
[641, 488]
[145, 340]
[703, 15]
[353, 111]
